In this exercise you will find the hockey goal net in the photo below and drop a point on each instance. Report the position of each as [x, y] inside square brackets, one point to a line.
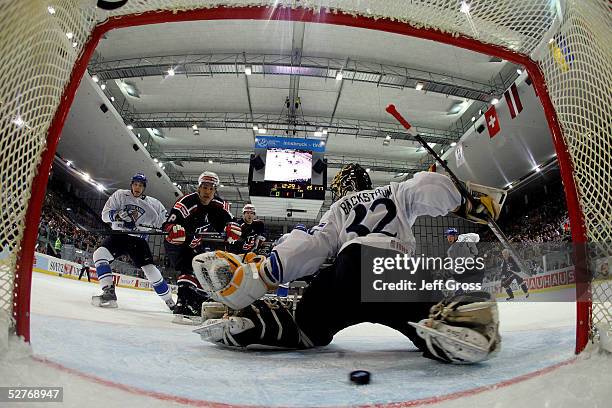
[564, 44]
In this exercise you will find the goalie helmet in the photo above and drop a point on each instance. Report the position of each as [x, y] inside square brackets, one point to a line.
[249, 207]
[140, 178]
[351, 177]
[208, 177]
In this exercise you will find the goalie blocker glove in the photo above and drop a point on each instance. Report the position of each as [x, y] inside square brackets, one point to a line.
[483, 206]
[234, 280]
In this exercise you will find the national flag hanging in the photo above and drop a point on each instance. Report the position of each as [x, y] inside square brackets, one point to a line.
[514, 101]
[459, 157]
[492, 121]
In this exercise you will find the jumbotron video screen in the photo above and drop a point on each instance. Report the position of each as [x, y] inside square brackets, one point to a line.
[288, 165]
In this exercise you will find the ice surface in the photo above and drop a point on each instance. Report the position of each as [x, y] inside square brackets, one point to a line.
[134, 356]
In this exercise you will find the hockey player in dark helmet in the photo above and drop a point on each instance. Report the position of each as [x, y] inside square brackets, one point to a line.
[351, 177]
[363, 221]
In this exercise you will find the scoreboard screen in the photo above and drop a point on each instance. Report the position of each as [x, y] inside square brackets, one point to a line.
[287, 190]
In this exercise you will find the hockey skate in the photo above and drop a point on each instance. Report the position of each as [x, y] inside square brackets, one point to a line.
[171, 305]
[186, 314]
[107, 299]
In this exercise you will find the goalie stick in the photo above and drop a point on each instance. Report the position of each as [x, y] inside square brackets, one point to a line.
[460, 186]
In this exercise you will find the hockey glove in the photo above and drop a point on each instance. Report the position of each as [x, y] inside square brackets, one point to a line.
[231, 280]
[176, 234]
[484, 206]
[233, 231]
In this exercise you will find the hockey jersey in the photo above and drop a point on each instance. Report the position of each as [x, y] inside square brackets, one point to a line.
[248, 239]
[382, 217]
[145, 210]
[196, 217]
[464, 246]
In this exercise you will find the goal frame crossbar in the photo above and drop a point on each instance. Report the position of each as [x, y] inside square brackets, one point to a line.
[23, 275]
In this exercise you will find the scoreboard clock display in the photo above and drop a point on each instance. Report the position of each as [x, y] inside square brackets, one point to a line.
[287, 190]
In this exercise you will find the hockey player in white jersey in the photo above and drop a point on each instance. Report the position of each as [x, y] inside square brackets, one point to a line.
[130, 210]
[361, 217]
[463, 246]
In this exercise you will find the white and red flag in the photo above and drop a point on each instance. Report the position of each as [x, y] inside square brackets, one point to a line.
[514, 101]
[492, 121]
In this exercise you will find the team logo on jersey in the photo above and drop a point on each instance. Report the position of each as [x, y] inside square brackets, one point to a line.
[135, 211]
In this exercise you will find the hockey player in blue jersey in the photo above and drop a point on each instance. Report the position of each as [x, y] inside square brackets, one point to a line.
[128, 210]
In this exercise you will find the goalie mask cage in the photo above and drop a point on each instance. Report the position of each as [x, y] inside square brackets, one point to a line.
[564, 45]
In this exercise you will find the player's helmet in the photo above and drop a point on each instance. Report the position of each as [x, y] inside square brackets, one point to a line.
[208, 177]
[452, 231]
[351, 177]
[139, 177]
[249, 207]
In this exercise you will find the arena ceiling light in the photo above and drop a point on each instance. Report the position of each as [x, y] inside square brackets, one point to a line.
[494, 101]
[100, 187]
[318, 133]
[112, 98]
[419, 86]
[130, 127]
[339, 76]
[171, 72]
[261, 130]
[519, 71]
[95, 78]
[210, 161]
[86, 176]
[130, 89]
[248, 69]
[453, 144]
[194, 127]
[68, 162]
[388, 137]
[103, 86]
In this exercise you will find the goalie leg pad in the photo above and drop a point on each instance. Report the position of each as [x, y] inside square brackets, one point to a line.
[463, 329]
[264, 324]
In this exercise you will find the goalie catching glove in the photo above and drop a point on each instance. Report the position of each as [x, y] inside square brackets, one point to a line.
[234, 280]
[463, 329]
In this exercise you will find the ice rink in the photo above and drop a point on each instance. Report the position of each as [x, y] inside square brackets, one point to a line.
[135, 356]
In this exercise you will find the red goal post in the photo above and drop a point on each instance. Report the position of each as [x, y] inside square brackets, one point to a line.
[563, 44]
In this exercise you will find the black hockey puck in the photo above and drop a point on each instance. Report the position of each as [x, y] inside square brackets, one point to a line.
[360, 377]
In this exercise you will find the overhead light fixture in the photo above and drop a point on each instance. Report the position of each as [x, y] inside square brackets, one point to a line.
[103, 86]
[325, 131]
[455, 108]
[196, 132]
[194, 127]
[248, 70]
[255, 128]
[86, 176]
[261, 130]
[465, 7]
[480, 111]
[145, 144]
[453, 144]
[386, 142]
[160, 164]
[179, 186]
[171, 72]
[473, 118]
[318, 133]
[442, 151]
[112, 98]
[509, 186]
[388, 137]
[156, 132]
[537, 169]
[419, 86]
[519, 71]
[368, 170]
[494, 101]
[95, 78]
[70, 35]
[51, 10]
[155, 160]
[210, 161]
[130, 89]
[174, 183]
[18, 121]
[100, 187]
[138, 134]
[221, 185]
[130, 127]
[339, 76]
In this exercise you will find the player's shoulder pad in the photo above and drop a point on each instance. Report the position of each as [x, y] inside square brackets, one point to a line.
[218, 202]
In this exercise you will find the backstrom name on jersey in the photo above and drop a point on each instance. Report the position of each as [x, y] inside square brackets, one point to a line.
[351, 201]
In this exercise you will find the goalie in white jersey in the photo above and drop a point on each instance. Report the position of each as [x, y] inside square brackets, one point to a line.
[130, 211]
[360, 217]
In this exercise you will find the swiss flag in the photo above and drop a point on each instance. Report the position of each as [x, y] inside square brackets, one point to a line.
[492, 121]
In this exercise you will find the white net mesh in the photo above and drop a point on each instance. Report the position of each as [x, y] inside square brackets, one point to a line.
[37, 57]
